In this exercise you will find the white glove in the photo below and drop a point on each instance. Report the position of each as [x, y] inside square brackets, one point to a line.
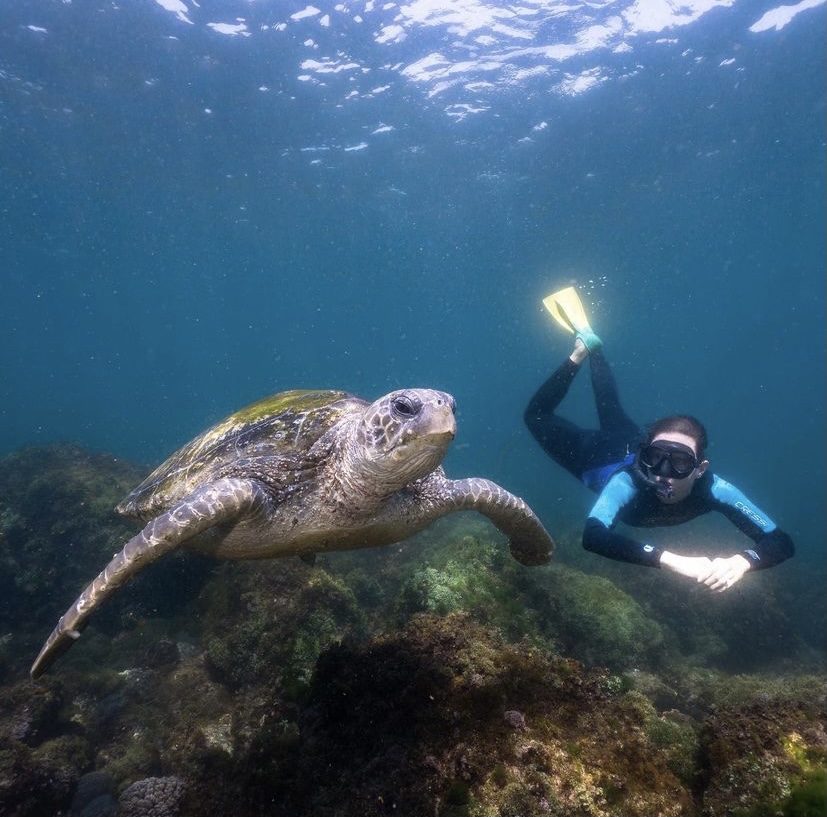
[694, 567]
[723, 573]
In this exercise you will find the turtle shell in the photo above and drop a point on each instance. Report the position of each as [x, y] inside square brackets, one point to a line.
[282, 425]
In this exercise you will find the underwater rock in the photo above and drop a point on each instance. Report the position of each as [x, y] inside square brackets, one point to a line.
[272, 621]
[30, 718]
[445, 716]
[160, 653]
[461, 566]
[769, 754]
[432, 676]
[755, 627]
[94, 796]
[598, 623]
[466, 569]
[39, 781]
[57, 524]
[40, 757]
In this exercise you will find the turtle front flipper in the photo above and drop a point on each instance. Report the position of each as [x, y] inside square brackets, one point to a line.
[528, 540]
[225, 500]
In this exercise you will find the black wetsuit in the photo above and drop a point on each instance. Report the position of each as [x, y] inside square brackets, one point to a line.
[604, 461]
[592, 456]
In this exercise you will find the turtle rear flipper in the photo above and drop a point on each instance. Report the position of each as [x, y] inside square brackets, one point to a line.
[225, 500]
[528, 540]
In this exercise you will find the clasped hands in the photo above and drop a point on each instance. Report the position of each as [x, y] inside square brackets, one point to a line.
[717, 574]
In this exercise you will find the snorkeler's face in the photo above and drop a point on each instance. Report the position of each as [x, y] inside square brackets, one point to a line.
[665, 458]
[672, 460]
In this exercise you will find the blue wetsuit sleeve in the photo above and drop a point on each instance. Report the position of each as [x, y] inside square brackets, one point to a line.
[771, 545]
[599, 535]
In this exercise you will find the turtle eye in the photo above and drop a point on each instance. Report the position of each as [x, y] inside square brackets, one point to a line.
[404, 407]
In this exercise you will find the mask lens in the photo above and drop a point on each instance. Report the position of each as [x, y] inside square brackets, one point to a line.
[654, 458]
[667, 459]
[683, 464]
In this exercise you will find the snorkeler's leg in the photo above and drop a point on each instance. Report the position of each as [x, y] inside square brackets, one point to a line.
[559, 438]
[610, 413]
[548, 397]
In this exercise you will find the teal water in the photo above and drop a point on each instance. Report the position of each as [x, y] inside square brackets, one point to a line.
[203, 204]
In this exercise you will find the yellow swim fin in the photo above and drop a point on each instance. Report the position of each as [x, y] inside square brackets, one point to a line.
[566, 308]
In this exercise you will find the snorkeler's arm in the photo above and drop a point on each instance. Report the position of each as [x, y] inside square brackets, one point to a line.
[599, 535]
[771, 545]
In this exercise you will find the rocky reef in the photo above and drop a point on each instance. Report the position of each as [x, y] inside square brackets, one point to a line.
[432, 677]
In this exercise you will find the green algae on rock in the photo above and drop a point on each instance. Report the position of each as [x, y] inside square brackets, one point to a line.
[435, 676]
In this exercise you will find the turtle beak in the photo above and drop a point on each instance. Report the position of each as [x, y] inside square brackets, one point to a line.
[440, 423]
[445, 420]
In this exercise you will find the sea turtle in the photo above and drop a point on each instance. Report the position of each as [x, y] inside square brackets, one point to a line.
[298, 473]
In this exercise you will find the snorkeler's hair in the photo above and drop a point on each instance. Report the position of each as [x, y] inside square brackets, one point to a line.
[681, 424]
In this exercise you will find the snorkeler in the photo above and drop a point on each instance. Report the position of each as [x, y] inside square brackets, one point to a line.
[652, 478]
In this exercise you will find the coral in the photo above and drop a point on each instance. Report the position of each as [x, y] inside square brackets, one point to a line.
[152, 797]
[585, 616]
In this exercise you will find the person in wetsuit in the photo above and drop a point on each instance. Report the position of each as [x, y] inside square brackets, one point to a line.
[647, 477]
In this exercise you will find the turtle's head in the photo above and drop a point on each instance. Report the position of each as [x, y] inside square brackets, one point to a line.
[404, 435]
